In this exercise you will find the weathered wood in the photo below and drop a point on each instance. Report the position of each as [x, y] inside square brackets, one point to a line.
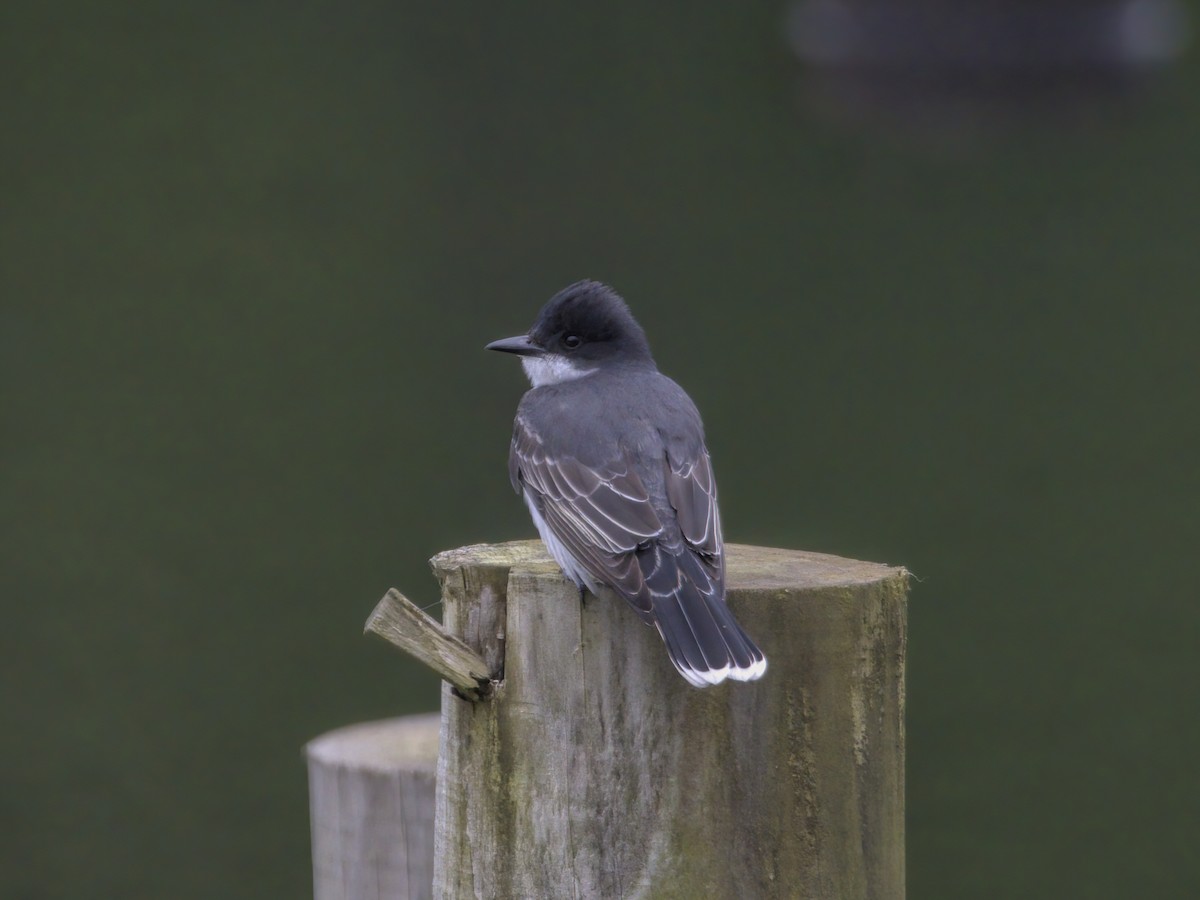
[594, 770]
[401, 622]
[371, 796]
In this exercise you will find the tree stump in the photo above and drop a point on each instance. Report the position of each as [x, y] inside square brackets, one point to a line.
[592, 770]
[371, 795]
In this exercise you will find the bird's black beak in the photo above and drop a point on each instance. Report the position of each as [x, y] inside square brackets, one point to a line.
[521, 345]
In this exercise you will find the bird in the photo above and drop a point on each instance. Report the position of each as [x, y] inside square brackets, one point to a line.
[609, 456]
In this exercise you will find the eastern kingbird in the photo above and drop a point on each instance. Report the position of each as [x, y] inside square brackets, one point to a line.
[609, 455]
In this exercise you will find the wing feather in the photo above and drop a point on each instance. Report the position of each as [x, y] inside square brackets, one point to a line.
[692, 492]
[601, 514]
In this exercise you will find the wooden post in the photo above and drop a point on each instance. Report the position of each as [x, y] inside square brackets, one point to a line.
[371, 793]
[593, 770]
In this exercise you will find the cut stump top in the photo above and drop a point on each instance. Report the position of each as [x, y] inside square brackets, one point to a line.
[409, 743]
[748, 568]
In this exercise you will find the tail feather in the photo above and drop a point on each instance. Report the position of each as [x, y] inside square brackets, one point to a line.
[703, 640]
[683, 648]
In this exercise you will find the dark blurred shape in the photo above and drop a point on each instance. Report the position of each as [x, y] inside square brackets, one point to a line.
[942, 61]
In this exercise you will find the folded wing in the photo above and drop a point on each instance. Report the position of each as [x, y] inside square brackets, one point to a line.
[600, 514]
[605, 519]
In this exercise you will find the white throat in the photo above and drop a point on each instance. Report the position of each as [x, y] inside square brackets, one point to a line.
[552, 369]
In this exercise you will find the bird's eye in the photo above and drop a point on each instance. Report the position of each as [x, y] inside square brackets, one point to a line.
[571, 341]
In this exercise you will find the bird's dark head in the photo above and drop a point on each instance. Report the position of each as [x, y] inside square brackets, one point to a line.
[582, 328]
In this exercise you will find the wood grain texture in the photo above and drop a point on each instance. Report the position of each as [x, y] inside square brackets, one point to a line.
[594, 770]
[401, 622]
[371, 798]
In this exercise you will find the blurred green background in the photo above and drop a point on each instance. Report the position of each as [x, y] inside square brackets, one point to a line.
[251, 253]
